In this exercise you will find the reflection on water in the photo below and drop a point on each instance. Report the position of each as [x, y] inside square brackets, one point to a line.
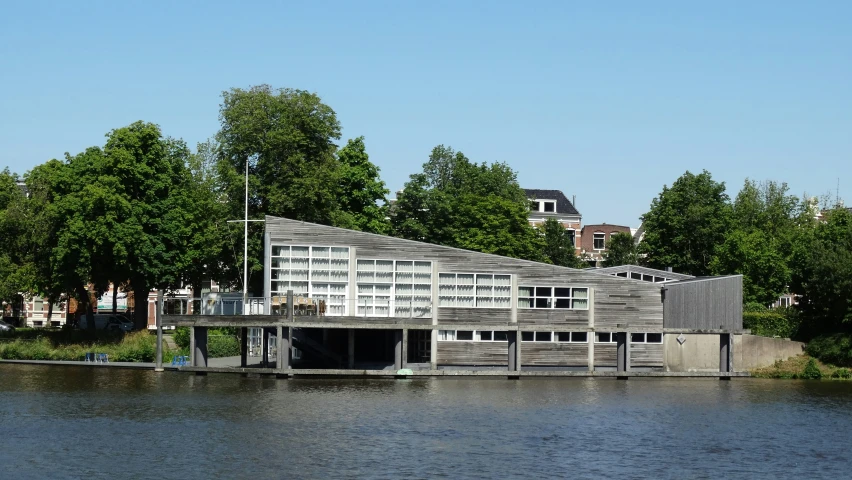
[65, 422]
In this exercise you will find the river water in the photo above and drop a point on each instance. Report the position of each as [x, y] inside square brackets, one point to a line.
[69, 422]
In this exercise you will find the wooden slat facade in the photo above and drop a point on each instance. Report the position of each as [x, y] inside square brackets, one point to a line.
[605, 355]
[544, 354]
[473, 353]
[706, 303]
[646, 354]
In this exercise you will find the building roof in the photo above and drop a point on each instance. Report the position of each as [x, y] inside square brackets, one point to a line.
[669, 276]
[563, 205]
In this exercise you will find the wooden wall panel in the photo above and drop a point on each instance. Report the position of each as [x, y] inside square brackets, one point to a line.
[605, 355]
[646, 354]
[473, 353]
[539, 354]
[710, 303]
[578, 318]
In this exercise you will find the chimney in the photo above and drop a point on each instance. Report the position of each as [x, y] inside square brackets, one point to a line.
[668, 269]
[574, 200]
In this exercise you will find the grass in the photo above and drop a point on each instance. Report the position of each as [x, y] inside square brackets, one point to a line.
[798, 367]
[73, 345]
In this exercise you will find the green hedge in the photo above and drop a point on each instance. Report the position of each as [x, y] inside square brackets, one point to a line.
[782, 323]
[222, 346]
[835, 349]
[134, 347]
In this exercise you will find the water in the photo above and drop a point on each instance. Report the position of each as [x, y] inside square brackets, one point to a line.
[68, 422]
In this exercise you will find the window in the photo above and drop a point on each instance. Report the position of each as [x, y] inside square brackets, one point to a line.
[571, 236]
[549, 207]
[403, 287]
[474, 335]
[785, 302]
[474, 290]
[646, 338]
[321, 273]
[535, 206]
[600, 240]
[572, 337]
[553, 297]
[38, 304]
[605, 337]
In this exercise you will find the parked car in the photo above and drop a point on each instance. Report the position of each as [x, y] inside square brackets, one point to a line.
[107, 322]
[5, 327]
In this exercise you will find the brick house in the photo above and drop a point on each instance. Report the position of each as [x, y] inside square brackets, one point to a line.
[594, 241]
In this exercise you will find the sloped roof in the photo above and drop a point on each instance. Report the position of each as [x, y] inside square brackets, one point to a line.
[643, 270]
[563, 205]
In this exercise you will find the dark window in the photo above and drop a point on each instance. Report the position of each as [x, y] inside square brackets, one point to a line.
[659, 279]
[485, 336]
[563, 336]
[527, 336]
[571, 236]
[602, 337]
[563, 303]
[637, 337]
[549, 206]
[542, 303]
[464, 335]
[534, 206]
[501, 337]
[543, 336]
[622, 274]
[543, 291]
[562, 292]
[654, 337]
[636, 276]
[580, 336]
[599, 241]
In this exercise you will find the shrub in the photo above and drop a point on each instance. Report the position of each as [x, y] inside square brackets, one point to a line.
[773, 323]
[842, 373]
[219, 346]
[811, 371]
[181, 337]
[835, 349]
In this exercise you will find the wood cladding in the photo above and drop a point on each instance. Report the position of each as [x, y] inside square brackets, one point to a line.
[646, 354]
[473, 353]
[542, 354]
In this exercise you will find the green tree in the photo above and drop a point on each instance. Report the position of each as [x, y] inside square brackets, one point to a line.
[559, 246]
[13, 277]
[685, 224]
[458, 203]
[621, 250]
[821, 268]
[360, 191]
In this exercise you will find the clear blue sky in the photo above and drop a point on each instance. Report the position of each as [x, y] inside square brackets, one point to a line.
[607, 101]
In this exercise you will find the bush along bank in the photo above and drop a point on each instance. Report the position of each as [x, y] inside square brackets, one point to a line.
[221, 342]
[778, 322]
[803, 367]
[72, 346]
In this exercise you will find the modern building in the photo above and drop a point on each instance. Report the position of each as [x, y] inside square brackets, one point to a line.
[367, 301]
[545, 204]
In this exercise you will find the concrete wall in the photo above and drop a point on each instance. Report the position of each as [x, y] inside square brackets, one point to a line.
[752, 351]
[699, 353]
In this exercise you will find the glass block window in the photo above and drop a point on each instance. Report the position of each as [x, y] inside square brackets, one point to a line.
[400, 288]
[320, 273]
[474, 290]
[566, 298]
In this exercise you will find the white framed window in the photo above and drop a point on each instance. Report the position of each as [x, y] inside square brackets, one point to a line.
[565, 298]
[599, 239]
[38, 304]
[470, 290]
[317, 272]
[472, 336]
[572, 337]
[548, 206]
[403, 287]
[785, 302]
[572, 235]
[605, 337]
[646, 338]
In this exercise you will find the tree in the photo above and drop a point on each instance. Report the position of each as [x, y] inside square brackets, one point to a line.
[559, 246]
[457, 203]
[360, 191]
[621, 250]
[12, 274]
[822, 273]
[765, 220]
[685, 224]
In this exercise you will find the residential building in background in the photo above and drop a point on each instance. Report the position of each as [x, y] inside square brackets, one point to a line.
[594, 241]
[545, 204]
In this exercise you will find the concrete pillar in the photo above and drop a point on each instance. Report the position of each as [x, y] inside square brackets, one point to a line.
[621, 346]
[433, 349]
[199, 350]
[513, 350]
[397, 349]
[404, 348]
[351, 348]
[264, 348]
[290, 306]
[159, 321]
[725, 352]
[243, 347]
[284, 348]
[591, 339]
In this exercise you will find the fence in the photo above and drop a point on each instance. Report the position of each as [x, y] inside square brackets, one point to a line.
[318, 305]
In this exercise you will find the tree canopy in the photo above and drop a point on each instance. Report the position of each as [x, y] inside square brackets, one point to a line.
[621, 250]
[559, 246]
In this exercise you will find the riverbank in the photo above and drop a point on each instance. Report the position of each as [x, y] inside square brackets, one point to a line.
[803, 367]
[73, 345]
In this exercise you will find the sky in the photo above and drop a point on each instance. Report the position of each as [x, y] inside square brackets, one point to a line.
[607, 101]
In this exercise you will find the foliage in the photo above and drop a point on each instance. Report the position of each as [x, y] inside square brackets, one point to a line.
[782, 323]
[822, 273]
[811, 371]
[834, 348]
[844, 373]
[12, 273]
[219, 346]
[621, 250]
[73, 345]
[457, 203]
[360, 191]
[181, 337]
[794, 368]
[559, 246]
[685, 224]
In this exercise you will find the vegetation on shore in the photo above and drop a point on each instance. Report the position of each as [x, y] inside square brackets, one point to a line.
[72, 345]
[803, 367]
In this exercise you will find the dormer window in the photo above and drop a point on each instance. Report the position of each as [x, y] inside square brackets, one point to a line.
[548, 207]
[543, 206]
[535, 206]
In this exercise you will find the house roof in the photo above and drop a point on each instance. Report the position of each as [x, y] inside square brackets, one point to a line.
[563, 205]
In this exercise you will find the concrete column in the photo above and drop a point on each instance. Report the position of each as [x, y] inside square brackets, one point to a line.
[433, 350]
[264, 348]
[290, 306]
[404, 348]
[284, 348]
[191, 346]
[621, 346]
[591, 338]
[513, 350]
[199, 351]
[397, 349]
[243, 347]
[159, 321]
[351, 348]
[725, 352]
